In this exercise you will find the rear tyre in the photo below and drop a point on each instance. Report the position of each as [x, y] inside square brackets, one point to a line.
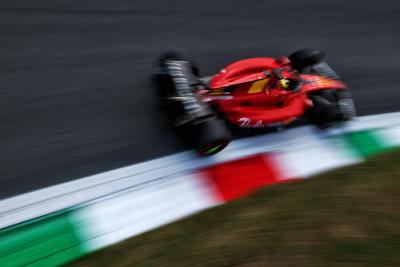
[211, 137]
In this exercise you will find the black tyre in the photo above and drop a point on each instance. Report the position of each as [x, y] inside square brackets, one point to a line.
[211, 137]
[331, 107]
[306, 57]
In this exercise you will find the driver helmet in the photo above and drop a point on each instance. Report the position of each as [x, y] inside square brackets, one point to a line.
[287, 80]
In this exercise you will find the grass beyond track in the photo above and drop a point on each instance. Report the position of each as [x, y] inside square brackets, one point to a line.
[349, 217]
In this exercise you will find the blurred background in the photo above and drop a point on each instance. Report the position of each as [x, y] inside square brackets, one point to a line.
[75, 92]
[76, 99]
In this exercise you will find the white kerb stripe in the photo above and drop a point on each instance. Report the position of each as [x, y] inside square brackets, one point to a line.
[390, 136]
[112, 220]
[40, 202]
[315, 157]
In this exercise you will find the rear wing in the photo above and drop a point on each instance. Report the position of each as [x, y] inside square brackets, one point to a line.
[177, 86]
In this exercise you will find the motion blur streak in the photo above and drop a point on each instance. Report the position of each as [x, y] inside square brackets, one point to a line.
[72, 230]
[75, 96]
[298, 150]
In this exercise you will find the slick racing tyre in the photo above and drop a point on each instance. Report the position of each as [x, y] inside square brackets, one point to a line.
[211, 137]
[331, 107]
[305, 57]
[309, 61]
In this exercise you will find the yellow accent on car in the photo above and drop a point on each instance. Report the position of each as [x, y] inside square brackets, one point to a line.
[257, 86]
[284, 83]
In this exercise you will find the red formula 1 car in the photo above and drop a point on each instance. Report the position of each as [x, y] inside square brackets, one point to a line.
[251, 94]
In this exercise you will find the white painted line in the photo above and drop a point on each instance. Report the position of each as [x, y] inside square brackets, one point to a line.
[47, 200]
[373, 121]
[37, 203]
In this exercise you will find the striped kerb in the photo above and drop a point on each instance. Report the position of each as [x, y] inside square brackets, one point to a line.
[239, 178]
[63, 236]
[48, 241]
[365, 143]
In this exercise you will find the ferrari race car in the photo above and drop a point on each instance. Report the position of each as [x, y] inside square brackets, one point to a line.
[249, 95]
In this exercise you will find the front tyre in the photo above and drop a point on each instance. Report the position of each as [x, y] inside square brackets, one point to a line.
[331, 107]
[304, 58]
[310, 61]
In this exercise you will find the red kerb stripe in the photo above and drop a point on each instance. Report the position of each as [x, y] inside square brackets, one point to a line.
[238, 178]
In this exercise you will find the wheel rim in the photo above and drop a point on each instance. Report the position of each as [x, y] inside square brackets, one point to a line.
[214, 147]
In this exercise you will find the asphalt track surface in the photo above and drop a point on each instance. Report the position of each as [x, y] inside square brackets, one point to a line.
[75, 91]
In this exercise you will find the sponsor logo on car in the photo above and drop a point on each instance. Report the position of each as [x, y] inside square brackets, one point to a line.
[249, 123]
[182, 86]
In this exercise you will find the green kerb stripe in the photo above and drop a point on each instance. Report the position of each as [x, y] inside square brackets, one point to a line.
[365, 143]
[49, 241]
